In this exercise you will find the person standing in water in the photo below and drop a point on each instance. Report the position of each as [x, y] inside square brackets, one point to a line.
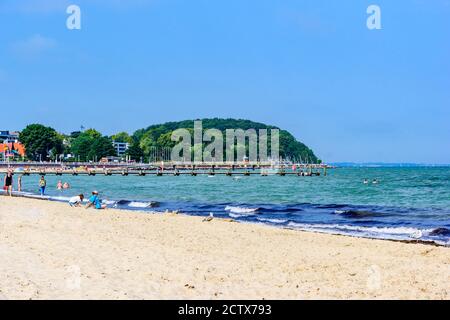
[59, 186]
[8, 183]
[42, 185]
[19, 183]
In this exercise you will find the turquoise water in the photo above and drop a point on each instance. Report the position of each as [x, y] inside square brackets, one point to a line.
[406, 203]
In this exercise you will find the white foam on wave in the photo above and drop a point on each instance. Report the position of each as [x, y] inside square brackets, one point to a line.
[136, 204]
[241, 210]
[25, 194]
[38, 196]
[396, 233]
[108, 202]
[59, 198]
[272, 220]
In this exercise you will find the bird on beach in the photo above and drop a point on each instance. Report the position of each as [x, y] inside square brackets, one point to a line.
[211, 216]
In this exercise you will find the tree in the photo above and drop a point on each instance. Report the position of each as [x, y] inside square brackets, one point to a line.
[122, 137]
[102, 147]
[147, 143]
[159, 136]
[92, 145]
[135, 152]
[39, 140]
[74, 134]
[81, 146]
[93, 133]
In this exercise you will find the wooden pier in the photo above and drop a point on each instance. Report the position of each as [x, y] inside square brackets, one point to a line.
[168, 170]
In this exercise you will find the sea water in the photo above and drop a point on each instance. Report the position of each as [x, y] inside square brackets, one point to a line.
[405, 204]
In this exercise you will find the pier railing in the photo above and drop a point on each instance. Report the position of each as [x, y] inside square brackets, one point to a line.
[36, 164]
[166, 168]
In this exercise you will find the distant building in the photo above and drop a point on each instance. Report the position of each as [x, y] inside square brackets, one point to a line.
[110, 159]
[121, 147]
[9, 137]
[10, 147]
[11, 150]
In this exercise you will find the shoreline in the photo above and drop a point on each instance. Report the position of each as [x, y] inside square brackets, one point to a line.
[28, 195]
[52, 251]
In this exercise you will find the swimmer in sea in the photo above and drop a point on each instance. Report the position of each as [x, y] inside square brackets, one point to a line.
[66, 185]
[366, 181]
[19, 183]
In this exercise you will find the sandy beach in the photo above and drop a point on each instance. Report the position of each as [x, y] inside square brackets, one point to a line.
[52, 251]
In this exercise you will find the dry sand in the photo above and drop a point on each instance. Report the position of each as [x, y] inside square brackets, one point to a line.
[51, 251]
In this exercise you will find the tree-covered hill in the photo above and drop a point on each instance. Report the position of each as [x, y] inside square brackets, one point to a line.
[159, 135]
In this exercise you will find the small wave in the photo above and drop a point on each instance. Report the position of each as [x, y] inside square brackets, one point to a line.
[108, 202]
[282, 210]
[357, 213]
[205, 206]
[59, 198]
[29, 195]
[241, 210]
[135, 204]
[330, 206]
[440, 232]
[272, 220]
[401, 233]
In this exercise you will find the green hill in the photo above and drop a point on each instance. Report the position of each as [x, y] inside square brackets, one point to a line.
[159, 135]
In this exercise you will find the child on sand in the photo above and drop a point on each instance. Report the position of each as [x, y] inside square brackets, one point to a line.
[95, 201]
[76, 201]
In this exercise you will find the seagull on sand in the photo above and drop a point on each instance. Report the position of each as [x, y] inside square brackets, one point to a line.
[211, 216]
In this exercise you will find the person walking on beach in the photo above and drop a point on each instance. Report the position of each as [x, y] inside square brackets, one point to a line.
[95, 201]
[42, 185]
[8, 183]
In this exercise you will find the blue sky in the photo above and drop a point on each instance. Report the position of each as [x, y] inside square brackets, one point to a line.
[311, 67]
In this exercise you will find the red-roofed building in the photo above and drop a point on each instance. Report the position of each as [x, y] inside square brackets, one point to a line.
[12, 150]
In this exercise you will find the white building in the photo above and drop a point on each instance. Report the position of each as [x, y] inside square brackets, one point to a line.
[8, 136]
[121, 147]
